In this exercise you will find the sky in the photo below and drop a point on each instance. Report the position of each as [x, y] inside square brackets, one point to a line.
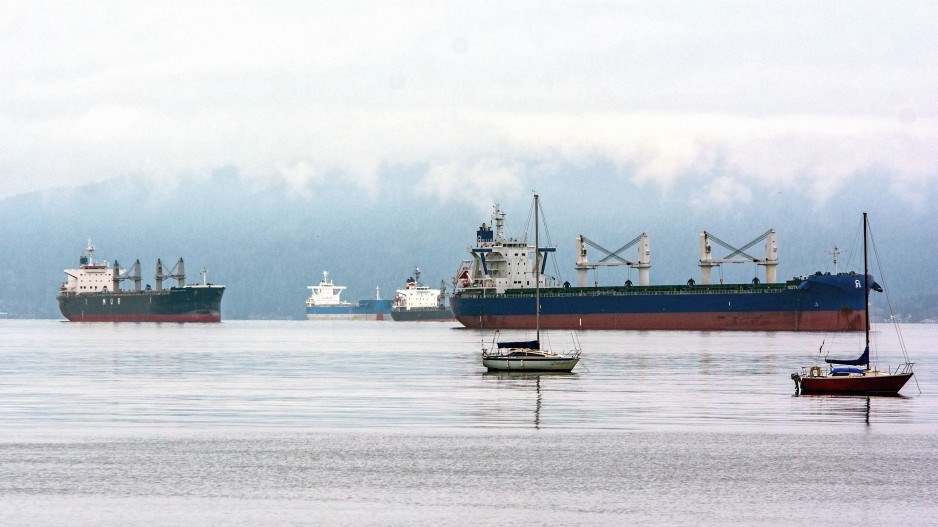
[472, 98]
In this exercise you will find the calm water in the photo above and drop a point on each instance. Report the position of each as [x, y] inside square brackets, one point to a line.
[383, 423]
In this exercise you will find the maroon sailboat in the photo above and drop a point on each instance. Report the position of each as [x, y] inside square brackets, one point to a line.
[847, 378]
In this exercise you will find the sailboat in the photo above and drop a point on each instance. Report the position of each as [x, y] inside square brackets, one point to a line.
[529, 355]
[843, 377]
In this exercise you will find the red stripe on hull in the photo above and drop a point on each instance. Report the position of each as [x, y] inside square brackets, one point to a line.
[206, 317]
[761, 321]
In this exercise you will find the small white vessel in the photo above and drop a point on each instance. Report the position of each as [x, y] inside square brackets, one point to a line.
[418, 302]
[325, 303]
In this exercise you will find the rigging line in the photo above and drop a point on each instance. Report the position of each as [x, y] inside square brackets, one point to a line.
[892, 315]
[855, 247]
[559, 276]
[550, 243]
[612, 254]
[757, 240]
[619, 250]
[750, 244]
[732, 248]
[527, 222]
[851, 250]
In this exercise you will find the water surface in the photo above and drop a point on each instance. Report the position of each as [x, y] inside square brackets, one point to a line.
[384, 423]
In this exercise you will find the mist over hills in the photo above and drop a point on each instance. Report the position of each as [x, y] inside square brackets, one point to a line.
[268, 242]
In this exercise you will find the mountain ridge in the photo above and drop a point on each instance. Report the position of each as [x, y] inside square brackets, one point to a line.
[268, 242]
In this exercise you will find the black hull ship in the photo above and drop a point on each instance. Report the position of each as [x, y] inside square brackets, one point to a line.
[92, 293]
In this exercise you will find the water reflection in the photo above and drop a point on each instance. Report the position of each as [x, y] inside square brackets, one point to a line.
[853, 408]
[524, 382]
[295, 374]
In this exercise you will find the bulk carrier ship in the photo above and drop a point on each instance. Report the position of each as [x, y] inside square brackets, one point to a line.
[92, 293]
[495, 290]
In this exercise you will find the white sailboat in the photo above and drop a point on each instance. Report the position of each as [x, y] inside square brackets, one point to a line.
[530, 355]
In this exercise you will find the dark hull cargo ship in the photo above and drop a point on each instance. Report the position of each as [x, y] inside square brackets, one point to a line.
[92, 293]
[495, 290]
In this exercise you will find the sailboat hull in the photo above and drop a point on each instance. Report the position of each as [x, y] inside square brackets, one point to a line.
[505, 363]
[882, 384]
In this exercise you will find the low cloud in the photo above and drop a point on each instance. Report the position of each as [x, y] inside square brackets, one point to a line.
[476, 102]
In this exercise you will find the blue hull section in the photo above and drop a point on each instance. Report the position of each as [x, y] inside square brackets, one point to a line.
[366, 309]
[816, 303]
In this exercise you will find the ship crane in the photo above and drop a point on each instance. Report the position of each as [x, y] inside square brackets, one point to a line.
[612, 258]
[128, 275]
[179, 275]
[738, 255]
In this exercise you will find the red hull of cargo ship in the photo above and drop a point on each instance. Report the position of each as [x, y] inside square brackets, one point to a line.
[842, 320]
[204, 317]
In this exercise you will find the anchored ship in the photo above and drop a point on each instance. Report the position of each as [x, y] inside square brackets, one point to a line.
[495, 289]
[92, 293]
[325, 303]
[418, 302]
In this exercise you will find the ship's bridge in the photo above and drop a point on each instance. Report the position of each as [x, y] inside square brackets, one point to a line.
[502, 263]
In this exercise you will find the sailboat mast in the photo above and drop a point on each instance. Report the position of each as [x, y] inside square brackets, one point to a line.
[537, 273]
[866, 291]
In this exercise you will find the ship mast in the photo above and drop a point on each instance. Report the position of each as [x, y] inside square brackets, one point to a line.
[866, 292]
[89, 254]
[499, 218]
[835, 252]
[537, 274]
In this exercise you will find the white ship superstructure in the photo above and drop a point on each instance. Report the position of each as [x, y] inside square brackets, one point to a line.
[91, 276]
[498, 262]
[326, 294]
[417, 295]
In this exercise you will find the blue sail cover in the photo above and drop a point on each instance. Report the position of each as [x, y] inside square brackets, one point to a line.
[526, 344]
[865, 358]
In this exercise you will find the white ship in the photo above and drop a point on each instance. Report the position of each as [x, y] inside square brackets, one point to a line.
[325, 303]
[419, 302]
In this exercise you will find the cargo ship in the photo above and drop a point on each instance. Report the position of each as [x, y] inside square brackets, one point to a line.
[325, 303]
[418, 302]
[495, 290]
[92, 293]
